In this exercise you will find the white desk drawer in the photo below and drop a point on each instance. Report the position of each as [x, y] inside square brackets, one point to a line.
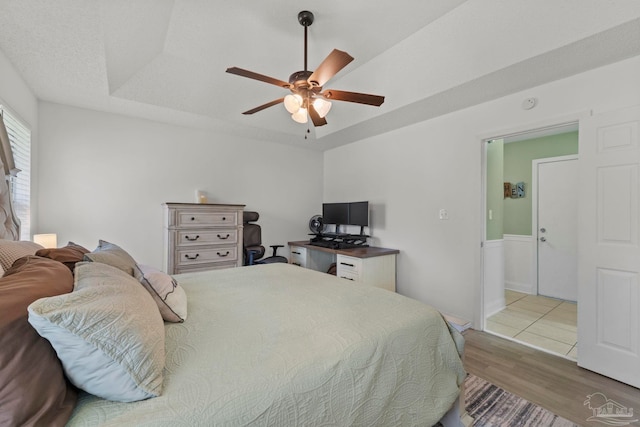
[298, 256]
[354, 277]
[348, 265]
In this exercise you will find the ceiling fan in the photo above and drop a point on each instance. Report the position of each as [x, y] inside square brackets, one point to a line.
[307, 97]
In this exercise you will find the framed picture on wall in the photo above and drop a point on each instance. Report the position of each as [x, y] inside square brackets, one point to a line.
[507, 189]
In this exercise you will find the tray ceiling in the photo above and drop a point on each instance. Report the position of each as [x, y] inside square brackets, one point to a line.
[165, 60]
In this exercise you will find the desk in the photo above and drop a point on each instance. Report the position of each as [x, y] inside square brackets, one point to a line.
[369, 265]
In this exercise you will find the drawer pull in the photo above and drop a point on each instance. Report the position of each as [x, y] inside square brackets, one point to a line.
[224, 218]
[187, 256]
[348, 278]
[347, 264]
[223, 238]
[193, 218]
[221, 255]
[192, 239]
[297, 253]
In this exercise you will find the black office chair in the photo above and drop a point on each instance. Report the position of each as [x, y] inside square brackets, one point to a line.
[252, 241]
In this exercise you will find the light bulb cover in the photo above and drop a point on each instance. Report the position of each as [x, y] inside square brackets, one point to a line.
[322, 107]
[300, 116]
[292, 103]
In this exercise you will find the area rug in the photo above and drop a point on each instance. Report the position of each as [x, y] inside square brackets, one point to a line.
[489, 405]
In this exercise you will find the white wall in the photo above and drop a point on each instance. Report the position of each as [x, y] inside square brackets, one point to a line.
[411, 173]
[519, 264]
[105, 176]
[494, 276]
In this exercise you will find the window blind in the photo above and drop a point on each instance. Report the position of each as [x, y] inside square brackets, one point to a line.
[20, 185]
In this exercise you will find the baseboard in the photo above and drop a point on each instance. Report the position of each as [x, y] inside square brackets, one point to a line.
[495, 307]
[525, 288]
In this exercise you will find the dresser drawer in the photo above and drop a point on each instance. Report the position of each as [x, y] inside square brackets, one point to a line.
[194, 256]
[212, 219]
[206, 237]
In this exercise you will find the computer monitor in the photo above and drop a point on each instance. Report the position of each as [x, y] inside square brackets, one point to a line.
[359, 214]
[335, 213]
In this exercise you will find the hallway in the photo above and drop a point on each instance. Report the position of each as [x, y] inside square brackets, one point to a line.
[543, 322]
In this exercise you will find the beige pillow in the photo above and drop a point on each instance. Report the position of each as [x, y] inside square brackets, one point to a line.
[113, 255]
[11, 250]
[107, 333]
[169, 296]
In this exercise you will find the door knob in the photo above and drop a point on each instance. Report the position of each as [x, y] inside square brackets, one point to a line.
[542, 230]
[543, 239]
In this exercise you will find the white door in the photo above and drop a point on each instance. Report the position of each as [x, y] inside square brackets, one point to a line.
[557, 229]
[609, 257]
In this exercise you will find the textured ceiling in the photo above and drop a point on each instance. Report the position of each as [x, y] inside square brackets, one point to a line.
[165, 60]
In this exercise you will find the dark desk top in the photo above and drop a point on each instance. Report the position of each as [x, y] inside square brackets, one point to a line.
[364, 252]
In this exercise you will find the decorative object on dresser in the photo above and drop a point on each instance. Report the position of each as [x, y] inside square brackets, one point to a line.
[201, 236]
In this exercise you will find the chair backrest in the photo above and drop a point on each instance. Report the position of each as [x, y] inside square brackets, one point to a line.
[252, 235]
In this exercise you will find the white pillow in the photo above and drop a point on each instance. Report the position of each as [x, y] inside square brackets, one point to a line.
[107, 333]
[166, 292]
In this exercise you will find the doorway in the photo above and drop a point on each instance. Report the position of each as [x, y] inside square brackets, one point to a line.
[526, 295]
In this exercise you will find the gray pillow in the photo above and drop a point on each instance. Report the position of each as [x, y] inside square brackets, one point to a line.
[113, 255]
[108, 334]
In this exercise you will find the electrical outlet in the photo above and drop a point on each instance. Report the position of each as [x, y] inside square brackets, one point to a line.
[444, 214]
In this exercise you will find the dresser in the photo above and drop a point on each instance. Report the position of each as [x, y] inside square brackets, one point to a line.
[202, 236]
[369, 265]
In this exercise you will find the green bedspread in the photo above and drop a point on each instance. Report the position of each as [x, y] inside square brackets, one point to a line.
[281, 345]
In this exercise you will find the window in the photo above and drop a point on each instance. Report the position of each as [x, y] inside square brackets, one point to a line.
[20, 138]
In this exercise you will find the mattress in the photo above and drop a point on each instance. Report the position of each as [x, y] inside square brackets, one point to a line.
[282, 345]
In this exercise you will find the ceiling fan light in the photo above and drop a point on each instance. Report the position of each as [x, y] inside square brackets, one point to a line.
[322, 107]
[292, 103]
[300, 116]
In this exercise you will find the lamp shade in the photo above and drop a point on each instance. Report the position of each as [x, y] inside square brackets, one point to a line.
[321, 106]
[46, 240]
[300, 116]
[292, 103]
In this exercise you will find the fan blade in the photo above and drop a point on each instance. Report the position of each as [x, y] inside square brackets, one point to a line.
[250, 74]
[333, 63]
[361, 98]
[315, 118]
[263, 106]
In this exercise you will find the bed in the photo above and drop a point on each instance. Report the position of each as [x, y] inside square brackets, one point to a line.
[262, 345]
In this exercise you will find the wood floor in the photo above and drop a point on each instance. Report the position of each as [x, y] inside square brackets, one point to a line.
[552, 382]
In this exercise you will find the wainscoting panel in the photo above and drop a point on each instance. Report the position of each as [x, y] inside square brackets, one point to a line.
[519, 268]
[494, 252]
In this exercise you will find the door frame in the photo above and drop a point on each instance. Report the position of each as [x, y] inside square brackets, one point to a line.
[482, 138]
[534, 209]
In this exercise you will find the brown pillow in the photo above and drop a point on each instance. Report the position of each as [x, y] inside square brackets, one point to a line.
[12, 250]
[33, 388]
[69, 255]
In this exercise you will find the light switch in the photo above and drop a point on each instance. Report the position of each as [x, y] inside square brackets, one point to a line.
[490, 214]
[444, 214]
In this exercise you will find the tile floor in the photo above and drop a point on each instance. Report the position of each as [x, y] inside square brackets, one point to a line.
[543, 322]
